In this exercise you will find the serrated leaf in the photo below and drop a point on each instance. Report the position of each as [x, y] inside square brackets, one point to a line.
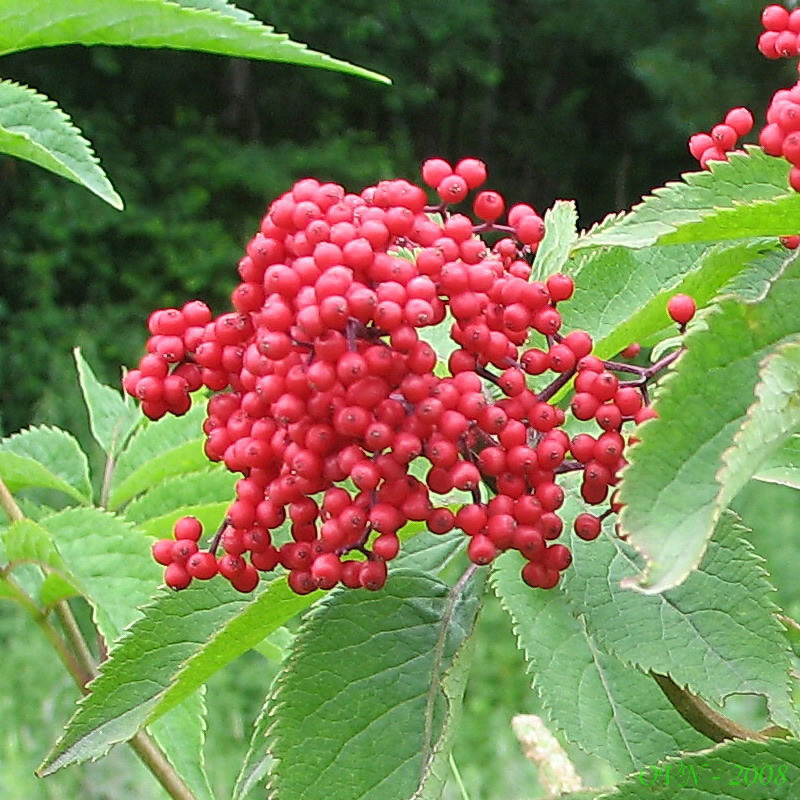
[110, 561]
[26, 540]
[746, 179]
[671, 490]
[770, 421]
[110, 418]
[34, 128]
[560, 233]
[214, 485]
[181, 734]
[424, 552]
[159, 450]
[211, 27]
[385, 659]
[775, 217]
[736, 770]
[783, 465]
[607, 709]
[621, 294]
[715, 634]
[47, 458]
[178, 643]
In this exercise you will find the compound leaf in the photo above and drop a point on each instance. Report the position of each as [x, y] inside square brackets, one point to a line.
[178, 642]
[715, 634]
[672, 492]
[214, 485]
[621, 294]
[606, 708]
[386, 674]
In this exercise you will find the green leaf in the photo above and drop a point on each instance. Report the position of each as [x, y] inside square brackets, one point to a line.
[34, 128]
[736, 770]
[211, 27]
[47, 458]
[159, 450]
[54, 589]
[621, 294]
[111, 419]
[745, 179]
[424, 552]
[770, 421]
[383, 672]
[110, 562]
[26, 540]
[181, 734]
[560, 233]
[774, 217]
[783, 465]
[607, 709]
[671, 490]
[715, 634]
[214, 485]
[179, 643]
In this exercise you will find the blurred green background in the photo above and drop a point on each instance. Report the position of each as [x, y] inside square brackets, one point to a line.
[592, 101]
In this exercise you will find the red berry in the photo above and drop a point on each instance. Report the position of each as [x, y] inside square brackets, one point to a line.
[740, 119]
[775, 18]
[188, 528]
[488, 206]
[681, 308]
[176, 577]
[472, 171]
[202, 566]
[587, 526]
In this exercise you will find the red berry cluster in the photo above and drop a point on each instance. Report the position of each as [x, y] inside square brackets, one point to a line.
[716, 145]
[781, 32]
[327, 393]
[781, 135]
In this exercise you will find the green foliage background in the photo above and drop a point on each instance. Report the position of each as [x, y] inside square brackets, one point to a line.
[585, 100]
[592, 101]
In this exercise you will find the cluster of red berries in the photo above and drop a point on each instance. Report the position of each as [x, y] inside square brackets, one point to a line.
[781, 135]
[716, 145]
[781, 32]
[342, 419]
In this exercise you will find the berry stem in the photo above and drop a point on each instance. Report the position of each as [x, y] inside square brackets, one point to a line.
[214, 543]
[552, 388]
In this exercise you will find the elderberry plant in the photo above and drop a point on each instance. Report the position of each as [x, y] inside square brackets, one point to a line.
[408, 365]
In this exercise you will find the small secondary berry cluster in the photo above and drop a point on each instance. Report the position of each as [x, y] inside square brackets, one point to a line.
[342, 419]
[781, 135]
